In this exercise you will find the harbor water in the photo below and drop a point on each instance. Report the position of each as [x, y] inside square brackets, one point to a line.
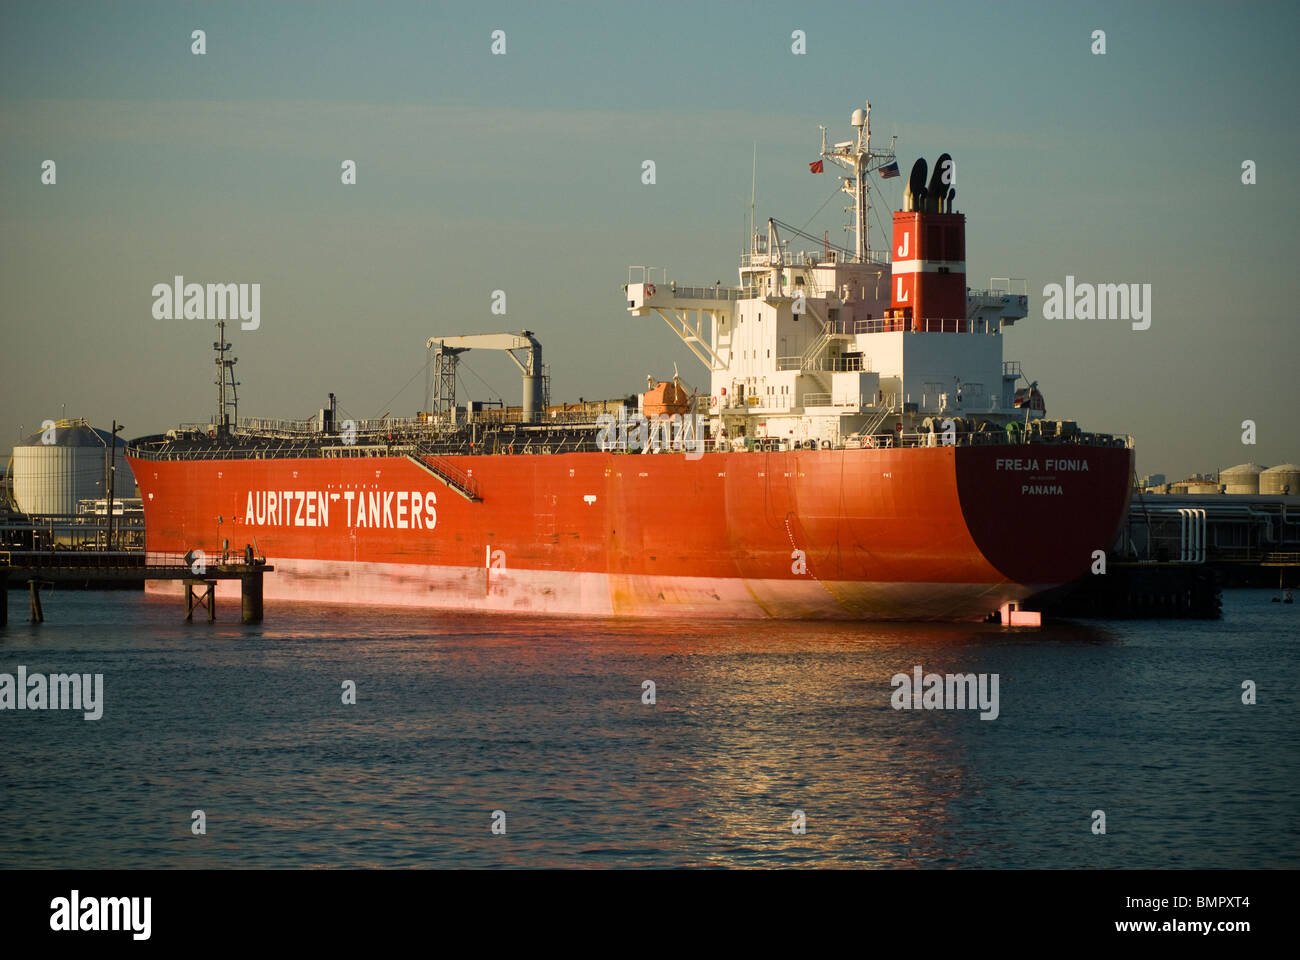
[483, 741]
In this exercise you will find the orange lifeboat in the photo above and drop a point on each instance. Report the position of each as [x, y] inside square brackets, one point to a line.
[665, 399]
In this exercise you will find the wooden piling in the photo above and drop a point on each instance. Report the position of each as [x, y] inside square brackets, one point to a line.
[38, 615]
[208, 598]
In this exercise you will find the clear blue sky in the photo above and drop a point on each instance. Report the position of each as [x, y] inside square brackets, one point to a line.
[522, 172]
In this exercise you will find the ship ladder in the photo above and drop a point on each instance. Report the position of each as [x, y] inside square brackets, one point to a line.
[458, 480]
[874, 424]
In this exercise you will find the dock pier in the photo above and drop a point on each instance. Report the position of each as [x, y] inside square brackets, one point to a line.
[1140, 591]
[1175, 553]
[41, 568]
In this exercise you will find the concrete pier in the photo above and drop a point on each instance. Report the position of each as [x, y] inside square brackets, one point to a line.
[250, 598]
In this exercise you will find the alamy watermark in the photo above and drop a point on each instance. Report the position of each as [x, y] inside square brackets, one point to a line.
[1101, 301]
[952, 691]
[76, 913]
[179, 300]
[639, 433]
[58, 691]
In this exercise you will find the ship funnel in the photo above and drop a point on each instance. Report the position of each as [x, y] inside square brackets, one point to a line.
[928, 271]
[914, 192]
[938, 189]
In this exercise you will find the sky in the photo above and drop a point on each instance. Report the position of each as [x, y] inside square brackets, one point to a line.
[522, 172]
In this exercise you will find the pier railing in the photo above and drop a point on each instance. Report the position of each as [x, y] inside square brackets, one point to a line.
[116, 560]
[1281, 559]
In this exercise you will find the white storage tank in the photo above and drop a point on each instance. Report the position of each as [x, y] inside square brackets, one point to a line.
[1278, 479]
[1243, 478]
[56, 467]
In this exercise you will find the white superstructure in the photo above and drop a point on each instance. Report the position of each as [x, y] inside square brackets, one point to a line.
[815, 345]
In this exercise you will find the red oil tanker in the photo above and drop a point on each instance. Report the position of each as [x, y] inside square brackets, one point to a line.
[864, 452]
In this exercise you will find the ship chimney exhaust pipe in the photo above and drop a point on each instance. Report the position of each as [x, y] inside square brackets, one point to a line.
[914, 192]
[928, 272]
[938, 191]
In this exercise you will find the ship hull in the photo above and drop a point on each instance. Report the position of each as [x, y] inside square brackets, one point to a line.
[943, 533]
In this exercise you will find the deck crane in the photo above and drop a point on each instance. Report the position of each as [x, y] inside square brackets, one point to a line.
[447, 351]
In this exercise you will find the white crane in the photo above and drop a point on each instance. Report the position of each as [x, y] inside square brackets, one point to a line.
[449, 348]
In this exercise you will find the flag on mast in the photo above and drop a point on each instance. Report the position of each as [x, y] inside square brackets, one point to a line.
[889, 170]
[815, 166]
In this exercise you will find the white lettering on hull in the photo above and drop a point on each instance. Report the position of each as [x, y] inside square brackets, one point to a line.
[1062, 466]
[415, 509]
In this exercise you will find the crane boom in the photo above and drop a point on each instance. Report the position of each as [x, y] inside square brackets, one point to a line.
[448, 348]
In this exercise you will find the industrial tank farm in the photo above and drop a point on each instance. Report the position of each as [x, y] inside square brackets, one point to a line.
[55, 468]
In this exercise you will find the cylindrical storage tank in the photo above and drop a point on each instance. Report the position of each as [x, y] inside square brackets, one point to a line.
[1202, 486]
[1277, 479]
[1243, 478]
[55, 468]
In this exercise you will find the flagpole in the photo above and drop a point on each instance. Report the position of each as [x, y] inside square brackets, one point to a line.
[753, 185]
[864, 186]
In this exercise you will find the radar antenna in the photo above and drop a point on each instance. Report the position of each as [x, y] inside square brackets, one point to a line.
[859, 159]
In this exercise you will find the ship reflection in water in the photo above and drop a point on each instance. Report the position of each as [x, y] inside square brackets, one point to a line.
[458, 716]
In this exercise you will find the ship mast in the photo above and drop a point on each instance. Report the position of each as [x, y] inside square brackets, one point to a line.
[227, 385]
[858, 158]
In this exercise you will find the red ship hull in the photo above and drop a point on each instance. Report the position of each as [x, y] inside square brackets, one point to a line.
[947, 533]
